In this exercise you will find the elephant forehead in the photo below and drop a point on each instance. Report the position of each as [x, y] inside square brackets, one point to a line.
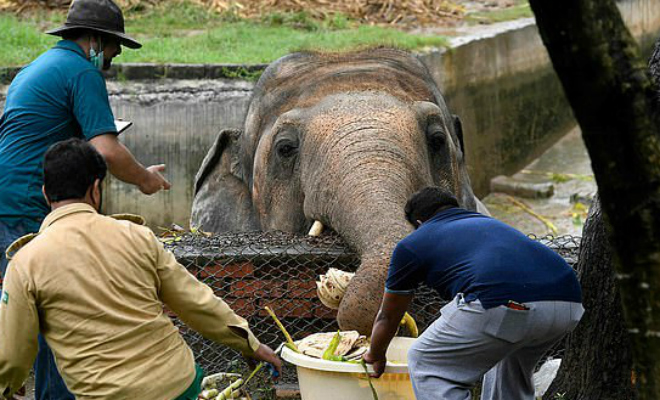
[362, 112]
[359, 101]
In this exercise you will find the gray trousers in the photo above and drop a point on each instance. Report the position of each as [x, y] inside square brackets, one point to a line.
[501, 345]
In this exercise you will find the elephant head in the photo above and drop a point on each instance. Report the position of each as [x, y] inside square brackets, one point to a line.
[343, 139]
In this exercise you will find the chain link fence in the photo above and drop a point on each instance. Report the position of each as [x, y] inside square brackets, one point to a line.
[276, 269]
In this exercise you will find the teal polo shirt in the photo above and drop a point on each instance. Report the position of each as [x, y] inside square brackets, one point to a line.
[58, 96]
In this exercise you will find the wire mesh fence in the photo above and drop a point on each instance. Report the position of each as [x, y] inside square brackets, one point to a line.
[253, 270]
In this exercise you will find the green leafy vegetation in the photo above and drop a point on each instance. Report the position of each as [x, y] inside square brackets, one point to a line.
[186, 33]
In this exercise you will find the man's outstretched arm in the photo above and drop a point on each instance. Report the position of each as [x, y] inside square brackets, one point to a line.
[126, 168]
[199, 308]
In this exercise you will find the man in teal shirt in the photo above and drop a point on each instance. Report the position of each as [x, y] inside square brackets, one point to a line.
[60, 95]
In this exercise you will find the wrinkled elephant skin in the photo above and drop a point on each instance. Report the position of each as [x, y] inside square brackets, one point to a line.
[344, 139]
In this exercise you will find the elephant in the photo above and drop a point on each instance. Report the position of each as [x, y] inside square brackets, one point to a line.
[343, 139]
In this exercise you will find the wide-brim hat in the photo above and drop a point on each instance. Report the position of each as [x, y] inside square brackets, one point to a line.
[97, 15]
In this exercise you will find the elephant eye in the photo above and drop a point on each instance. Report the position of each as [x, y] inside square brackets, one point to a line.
[437, 139]
[286, 149]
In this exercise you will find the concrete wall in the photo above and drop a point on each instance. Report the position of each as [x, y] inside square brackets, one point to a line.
[175, 123]
[501, 83]
[498, 80]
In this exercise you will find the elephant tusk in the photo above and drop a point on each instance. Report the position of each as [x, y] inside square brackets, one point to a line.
[316, 229]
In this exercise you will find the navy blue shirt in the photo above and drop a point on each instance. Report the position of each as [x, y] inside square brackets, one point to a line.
[459, 251]
[58, 96]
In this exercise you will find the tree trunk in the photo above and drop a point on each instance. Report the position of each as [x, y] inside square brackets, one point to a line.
[600, 341]
[613, 99]
[654, 66]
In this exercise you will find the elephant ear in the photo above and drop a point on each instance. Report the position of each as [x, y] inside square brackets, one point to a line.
[222, 201]
[467, 197]
[458, 128]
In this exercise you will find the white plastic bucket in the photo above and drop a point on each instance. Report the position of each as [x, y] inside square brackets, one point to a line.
[331, 380]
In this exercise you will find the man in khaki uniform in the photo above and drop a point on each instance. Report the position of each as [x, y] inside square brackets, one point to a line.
[95, 287]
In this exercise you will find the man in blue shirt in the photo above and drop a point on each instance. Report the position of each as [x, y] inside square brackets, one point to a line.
[60, 95]
[512, 299]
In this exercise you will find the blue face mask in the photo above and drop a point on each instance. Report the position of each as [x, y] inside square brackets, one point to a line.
[96, 58]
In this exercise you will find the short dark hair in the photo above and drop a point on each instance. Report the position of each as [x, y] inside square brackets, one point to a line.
[75, 34]
[70, 168]
[425, 203]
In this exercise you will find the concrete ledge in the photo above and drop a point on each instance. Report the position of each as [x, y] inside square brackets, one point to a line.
[151, 71]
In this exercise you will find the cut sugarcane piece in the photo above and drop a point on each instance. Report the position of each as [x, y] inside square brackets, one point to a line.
[208, 394]
[212, 381]
[225, 394]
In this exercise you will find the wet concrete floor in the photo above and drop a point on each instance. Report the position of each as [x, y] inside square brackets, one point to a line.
[567, 167]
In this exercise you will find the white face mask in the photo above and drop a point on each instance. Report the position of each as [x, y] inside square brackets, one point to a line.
[95, 58]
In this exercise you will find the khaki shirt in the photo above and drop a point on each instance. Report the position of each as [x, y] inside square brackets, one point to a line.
[95, 288]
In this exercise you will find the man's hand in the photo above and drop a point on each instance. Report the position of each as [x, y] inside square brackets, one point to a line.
[378, 363]
[126, 168]
[154, 180]
[266, 354]
[392, 309]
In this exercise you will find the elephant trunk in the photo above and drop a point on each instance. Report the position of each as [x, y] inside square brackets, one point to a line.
[358, 308]
[372, 222]
[357, 177]
[363, 296]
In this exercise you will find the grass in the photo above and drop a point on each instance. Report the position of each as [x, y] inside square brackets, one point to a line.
[521, 9]
[185, 33]
[245, 42]
[21, 42]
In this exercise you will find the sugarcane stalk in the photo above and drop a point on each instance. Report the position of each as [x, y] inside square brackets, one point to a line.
[211, 381]
[225, 394]
[232, 390]
[371, 385]
[534, 214]
[332, 347]
[209, 394]
[329, 353]
[290, 344]
[253, 373]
